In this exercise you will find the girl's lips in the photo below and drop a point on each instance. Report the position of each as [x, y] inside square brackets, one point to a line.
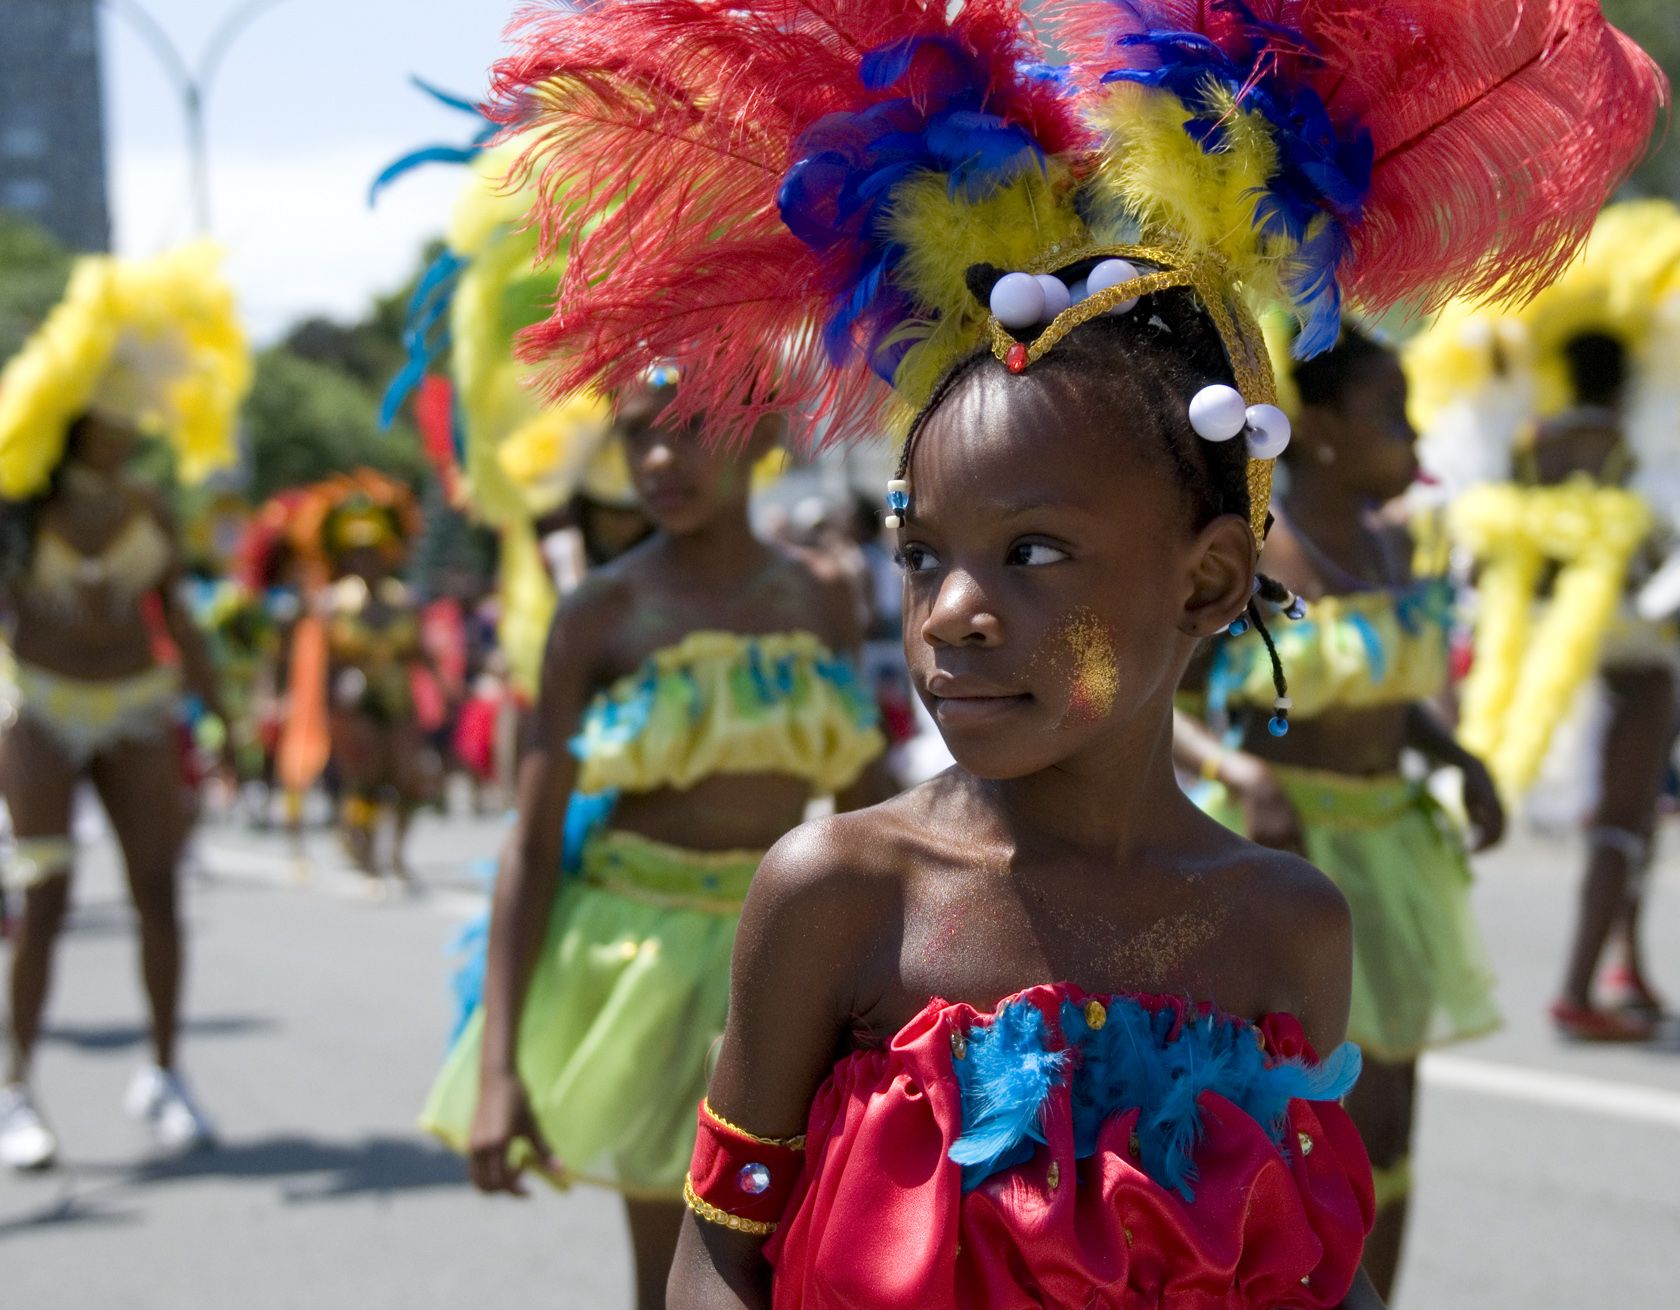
[669, 497]
[974, 711]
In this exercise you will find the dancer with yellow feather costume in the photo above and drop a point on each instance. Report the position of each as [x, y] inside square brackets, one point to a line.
[1556, 428]
[90, 569]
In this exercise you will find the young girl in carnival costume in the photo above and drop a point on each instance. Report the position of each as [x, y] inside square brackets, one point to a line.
[1075, 1020]
[1367, 656]
[1556, 431]
[362, 692]
[694, 694]
[91, 569]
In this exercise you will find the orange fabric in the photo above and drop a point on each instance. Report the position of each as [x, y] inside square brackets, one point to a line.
[305, 740]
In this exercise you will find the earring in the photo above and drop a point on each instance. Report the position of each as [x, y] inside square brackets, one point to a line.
[1326, 453]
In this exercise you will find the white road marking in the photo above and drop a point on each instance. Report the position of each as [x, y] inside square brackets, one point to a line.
[1565, 1091]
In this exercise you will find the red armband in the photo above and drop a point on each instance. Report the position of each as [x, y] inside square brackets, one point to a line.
[739, 1180]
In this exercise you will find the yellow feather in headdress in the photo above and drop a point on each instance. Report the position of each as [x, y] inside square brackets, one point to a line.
[942, 234]
[1187, 197]
[156, 341]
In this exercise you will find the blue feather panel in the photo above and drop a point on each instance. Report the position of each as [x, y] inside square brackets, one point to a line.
[838, 192]
[1324, 168]
[1133, 1062]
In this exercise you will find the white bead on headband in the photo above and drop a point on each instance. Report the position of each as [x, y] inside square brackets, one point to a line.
[1023, 300]
[1218, 413]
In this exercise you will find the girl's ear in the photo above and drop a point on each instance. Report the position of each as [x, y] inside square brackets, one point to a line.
[1221, 576]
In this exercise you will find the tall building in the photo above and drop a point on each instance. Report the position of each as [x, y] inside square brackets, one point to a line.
[52, 123]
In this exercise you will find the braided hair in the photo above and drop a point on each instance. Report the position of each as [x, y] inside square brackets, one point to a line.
[1166, 349]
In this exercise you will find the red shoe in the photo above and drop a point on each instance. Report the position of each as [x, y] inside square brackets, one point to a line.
[1630, 992]
[1584, 1023]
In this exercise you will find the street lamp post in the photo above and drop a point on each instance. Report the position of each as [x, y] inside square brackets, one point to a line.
[192, 85]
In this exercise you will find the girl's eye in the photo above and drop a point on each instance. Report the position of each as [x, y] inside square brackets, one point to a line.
[1035, 553]
[917, 559]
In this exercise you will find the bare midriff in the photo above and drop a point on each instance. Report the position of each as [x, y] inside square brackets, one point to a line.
[1362, 742]
[108, 643]
[725, 812]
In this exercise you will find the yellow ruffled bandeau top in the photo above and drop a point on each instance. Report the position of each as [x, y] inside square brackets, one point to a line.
[1355, 651]
[721, 702]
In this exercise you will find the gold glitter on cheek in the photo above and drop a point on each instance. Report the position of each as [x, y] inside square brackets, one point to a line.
[1096, 669]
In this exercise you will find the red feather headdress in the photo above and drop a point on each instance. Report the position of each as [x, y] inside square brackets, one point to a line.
[783, 195]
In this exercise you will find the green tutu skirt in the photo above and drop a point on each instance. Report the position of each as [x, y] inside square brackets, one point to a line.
[628, 995]
[1421, 976]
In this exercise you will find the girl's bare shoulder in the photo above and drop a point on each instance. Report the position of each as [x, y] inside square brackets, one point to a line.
[859, 859]
[1300, 930]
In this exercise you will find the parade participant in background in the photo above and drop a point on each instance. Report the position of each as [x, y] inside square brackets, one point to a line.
[359, 664]
[90, 569]
[270, 574]
[1365, 661]
[1026, 1107]
[696, 692]
[1574, 508]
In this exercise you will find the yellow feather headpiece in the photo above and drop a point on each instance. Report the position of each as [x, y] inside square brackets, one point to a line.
[1480, 374]
[155, 342]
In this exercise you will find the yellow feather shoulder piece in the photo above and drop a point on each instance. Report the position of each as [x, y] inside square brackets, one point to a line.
[156, 341]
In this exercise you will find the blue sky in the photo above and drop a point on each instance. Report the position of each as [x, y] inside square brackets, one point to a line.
[312, 100]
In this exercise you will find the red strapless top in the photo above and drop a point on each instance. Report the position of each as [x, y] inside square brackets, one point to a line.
[1085, 1126]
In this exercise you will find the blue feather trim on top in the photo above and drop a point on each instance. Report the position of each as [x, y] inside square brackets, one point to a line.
[1005, 1077]
[1134, 1061]
[1323, 172]
[839, 189]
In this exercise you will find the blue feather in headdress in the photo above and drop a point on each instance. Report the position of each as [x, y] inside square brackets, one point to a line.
[1324, 168]
[838, 192]
[426, 331]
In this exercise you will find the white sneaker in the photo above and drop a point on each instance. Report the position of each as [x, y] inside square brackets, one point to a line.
[160, 1099]
[25, 1140]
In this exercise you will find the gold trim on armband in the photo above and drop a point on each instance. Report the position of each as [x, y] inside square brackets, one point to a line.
[789, 1143]
[711, 1214]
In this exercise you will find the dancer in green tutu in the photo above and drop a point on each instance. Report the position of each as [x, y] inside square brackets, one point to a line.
[696, 693]
[1368, 654]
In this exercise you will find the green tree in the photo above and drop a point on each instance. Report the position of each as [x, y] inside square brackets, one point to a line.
[1655, 24]
[33, 272]
[306, 420]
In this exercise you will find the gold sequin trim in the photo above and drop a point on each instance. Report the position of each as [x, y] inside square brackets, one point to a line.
[1054, 1177]
[1095, 1015]
[712, 1215]
[959, 1045]
[1210, 278]
[791, 1143]
[1306, 1143]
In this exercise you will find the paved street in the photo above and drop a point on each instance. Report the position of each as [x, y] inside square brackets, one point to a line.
[1547, 1176]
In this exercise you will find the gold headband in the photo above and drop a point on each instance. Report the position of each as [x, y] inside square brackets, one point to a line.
[1206, 275]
